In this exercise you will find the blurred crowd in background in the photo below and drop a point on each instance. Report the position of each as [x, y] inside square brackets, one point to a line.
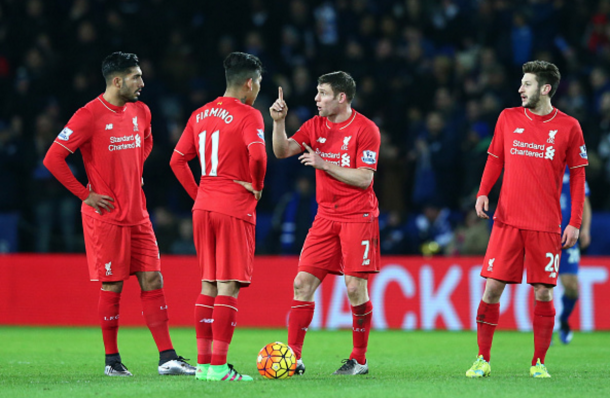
[433, 74]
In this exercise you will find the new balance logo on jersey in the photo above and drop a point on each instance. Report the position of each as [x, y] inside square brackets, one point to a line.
[233, 324]
[321, 140]
[135, 124]
[583, 152]
[369, 157]
[109, 126]
[490, 265]
[345, 160]
[519, 130]
[207, 320]
[346, 143]
[108, 270]
[163, 307]
[552, 134]
[550, 153]
[65, 134]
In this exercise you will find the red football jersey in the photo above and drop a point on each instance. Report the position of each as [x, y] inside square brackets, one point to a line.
[219, 133]
[353, 144]
[111, 140]
[535, 150]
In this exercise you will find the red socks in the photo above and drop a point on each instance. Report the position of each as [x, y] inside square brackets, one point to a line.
[544, 321]
[154, 309]
[108, 310]
[204, 307]
[224, 315]
[487, 320]
[361, 315]
[301, 314]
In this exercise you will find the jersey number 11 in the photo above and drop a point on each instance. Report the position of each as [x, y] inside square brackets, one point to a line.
[214, 158]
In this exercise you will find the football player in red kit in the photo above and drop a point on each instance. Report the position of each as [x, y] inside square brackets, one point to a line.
[532, 144]
[343, 146]
[227, 135]
[114, 136]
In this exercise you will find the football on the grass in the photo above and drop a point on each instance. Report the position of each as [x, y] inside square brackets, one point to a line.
[276, 361]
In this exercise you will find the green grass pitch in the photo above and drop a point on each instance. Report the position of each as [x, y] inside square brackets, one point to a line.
[68, 362]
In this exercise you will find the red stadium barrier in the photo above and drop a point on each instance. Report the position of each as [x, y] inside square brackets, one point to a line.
[408, 293]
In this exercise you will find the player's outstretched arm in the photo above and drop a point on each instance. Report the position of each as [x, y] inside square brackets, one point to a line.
[360, 178]
[282, 146]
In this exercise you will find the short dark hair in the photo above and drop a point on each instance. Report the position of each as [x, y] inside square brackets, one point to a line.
[240, 67]
[118, 63]
[546, 73]
[340, 82]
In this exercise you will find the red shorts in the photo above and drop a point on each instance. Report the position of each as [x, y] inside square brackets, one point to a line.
[510, 249]
[349, 248]
[225, 247]
[114, 252]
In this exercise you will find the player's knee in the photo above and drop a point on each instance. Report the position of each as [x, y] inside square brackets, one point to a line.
[492, 295]
[354, 291]
[303, 288]
[570, 285]
[357, 292]
[493, 291]
[571, 290]
[115, 287]
[543, 293]
[150, 280]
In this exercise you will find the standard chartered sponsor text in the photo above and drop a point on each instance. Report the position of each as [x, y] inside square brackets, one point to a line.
[527, 152]
[124, 144]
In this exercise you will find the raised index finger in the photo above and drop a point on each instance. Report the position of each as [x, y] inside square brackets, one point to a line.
[280, 93]
[307, 147]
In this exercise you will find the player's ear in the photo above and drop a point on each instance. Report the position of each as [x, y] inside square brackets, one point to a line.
[249, 84]
[117, 81]
[546, 89]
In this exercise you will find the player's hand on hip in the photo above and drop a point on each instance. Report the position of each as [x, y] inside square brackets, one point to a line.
[481, 206]
[248, 186]
[99, 202]
[279, 109]
[570, 237]
[311, 158]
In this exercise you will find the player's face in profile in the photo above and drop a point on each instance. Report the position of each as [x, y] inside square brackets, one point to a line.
[326, 101]
[256, 87]
[529, 91]
[132, 85]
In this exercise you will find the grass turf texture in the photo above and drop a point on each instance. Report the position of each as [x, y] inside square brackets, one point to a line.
[69, 362]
